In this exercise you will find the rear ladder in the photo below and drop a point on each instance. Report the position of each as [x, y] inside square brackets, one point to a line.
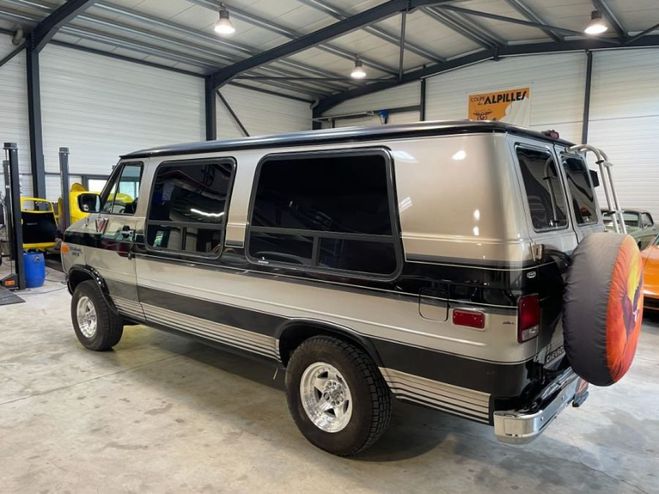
[607, 183]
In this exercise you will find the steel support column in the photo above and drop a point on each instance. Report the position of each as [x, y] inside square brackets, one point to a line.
[586, 98]
[34, 121]
[422, 101]
[64, 185]
[210, 110]
[315, 114]
[401, 48]
[13, 201]
[40, 36]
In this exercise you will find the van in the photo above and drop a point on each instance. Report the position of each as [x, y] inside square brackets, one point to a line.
[425, 262]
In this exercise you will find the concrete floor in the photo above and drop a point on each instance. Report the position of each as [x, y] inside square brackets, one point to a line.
[164, 414]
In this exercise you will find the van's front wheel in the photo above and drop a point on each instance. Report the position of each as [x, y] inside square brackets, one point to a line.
[337, 396]
[96, 325]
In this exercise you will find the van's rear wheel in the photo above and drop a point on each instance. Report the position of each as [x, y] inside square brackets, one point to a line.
[96, 325]
[337, 396]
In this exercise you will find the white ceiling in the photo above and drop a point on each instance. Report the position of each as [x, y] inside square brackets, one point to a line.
[192, 45]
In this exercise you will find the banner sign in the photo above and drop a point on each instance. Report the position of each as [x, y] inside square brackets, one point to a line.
[509, 105]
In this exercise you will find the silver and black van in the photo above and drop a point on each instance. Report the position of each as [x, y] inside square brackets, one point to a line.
[422, 261]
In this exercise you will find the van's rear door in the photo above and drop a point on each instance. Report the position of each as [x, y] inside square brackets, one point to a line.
[550, 223]
[584, 209]
[542, 182]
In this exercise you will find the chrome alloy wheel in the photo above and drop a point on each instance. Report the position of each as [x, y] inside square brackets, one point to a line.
[86, 315]
[326, 397]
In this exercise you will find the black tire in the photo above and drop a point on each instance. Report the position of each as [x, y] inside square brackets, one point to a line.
[109, 325]
[371, 399]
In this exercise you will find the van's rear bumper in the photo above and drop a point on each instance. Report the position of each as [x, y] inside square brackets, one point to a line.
[522, 426]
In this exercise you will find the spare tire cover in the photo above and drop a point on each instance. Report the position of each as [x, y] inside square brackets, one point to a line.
[603, 307]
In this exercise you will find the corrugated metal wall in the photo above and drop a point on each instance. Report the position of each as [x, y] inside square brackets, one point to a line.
[401, 96]
[13, 109]
[405, 95]
[260, 113]
[54, 187]
[556, 82]
[624, 114]
[101, 107]
[624, 121]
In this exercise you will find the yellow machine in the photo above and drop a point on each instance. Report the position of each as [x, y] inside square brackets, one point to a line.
[39, 222]
[81, 202]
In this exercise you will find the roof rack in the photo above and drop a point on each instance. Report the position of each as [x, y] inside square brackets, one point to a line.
[607, 182]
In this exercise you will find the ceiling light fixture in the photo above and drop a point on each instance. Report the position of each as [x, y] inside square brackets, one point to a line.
[223, 26]
[358, 72]
[596, 24]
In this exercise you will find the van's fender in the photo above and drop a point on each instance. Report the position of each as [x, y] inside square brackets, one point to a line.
[79, 273]
[292, 332]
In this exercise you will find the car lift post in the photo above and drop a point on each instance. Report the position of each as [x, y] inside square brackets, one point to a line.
[14, 222]
[64, 182]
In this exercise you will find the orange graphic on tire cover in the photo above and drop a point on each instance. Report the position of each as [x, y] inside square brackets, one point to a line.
[625, 309]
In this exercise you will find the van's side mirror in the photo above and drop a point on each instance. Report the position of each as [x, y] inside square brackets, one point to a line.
[595, 178]
[89, 202]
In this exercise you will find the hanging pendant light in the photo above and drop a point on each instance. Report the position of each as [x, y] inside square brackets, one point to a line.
[596, 24]
[223, 26]
[358, 72]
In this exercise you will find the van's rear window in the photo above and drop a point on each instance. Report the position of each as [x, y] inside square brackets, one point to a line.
[583, 195]
[544, 191]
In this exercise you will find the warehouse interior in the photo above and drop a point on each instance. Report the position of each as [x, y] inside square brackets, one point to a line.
[84, 82]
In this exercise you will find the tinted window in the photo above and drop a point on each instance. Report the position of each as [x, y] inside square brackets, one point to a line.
[632, 219]
[647, 220]
[122, 195]
[583, 196]
[330, 212]
[357, 255]
[188, 206]
[293, 249]
[184, 238]
[338, 194]
[544, 191]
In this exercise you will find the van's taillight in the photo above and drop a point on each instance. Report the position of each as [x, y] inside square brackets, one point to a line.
[469, 318]
[528, 323]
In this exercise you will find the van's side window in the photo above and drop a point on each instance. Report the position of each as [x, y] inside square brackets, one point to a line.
[188, 206]
[544, 191]
[583, 195]
[120, 195]
[329, 211]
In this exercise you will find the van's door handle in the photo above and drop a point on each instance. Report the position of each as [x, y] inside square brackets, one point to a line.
[127, 232]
